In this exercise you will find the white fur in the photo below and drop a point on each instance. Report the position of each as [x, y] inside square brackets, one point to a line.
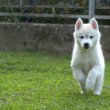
[88, 63]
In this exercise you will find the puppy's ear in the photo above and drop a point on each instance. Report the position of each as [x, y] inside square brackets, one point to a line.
[94, 23]
[78, 24]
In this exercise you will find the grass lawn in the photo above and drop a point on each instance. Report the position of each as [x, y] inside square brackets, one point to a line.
[39, 81]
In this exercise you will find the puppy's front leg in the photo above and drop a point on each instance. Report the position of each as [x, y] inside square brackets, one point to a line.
[80, 77]
[91, 78]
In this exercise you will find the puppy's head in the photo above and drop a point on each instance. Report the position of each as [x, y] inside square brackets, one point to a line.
[87, 35]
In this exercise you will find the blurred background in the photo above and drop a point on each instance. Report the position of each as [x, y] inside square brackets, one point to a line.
[47, 25]
[54, 11]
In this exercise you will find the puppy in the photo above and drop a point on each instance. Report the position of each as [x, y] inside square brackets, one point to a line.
[87, 59]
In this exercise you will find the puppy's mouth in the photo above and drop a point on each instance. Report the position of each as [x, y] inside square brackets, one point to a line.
[86, 47]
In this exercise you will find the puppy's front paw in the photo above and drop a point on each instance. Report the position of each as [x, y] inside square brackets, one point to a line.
[97, 92]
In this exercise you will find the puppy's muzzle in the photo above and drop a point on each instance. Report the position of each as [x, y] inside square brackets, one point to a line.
[86, 45]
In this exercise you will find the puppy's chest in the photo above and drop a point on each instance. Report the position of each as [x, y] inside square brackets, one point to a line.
[86, 63]
[86, 66]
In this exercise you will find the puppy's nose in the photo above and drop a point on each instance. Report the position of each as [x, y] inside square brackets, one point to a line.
[86, 45]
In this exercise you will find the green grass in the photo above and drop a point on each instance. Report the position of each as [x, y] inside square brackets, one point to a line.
[38, 81]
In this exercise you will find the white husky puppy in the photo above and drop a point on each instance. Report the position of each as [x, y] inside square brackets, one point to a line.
[87, 60]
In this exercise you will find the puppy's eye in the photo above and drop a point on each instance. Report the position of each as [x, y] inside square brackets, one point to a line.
[82, 37]
[91, 37]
